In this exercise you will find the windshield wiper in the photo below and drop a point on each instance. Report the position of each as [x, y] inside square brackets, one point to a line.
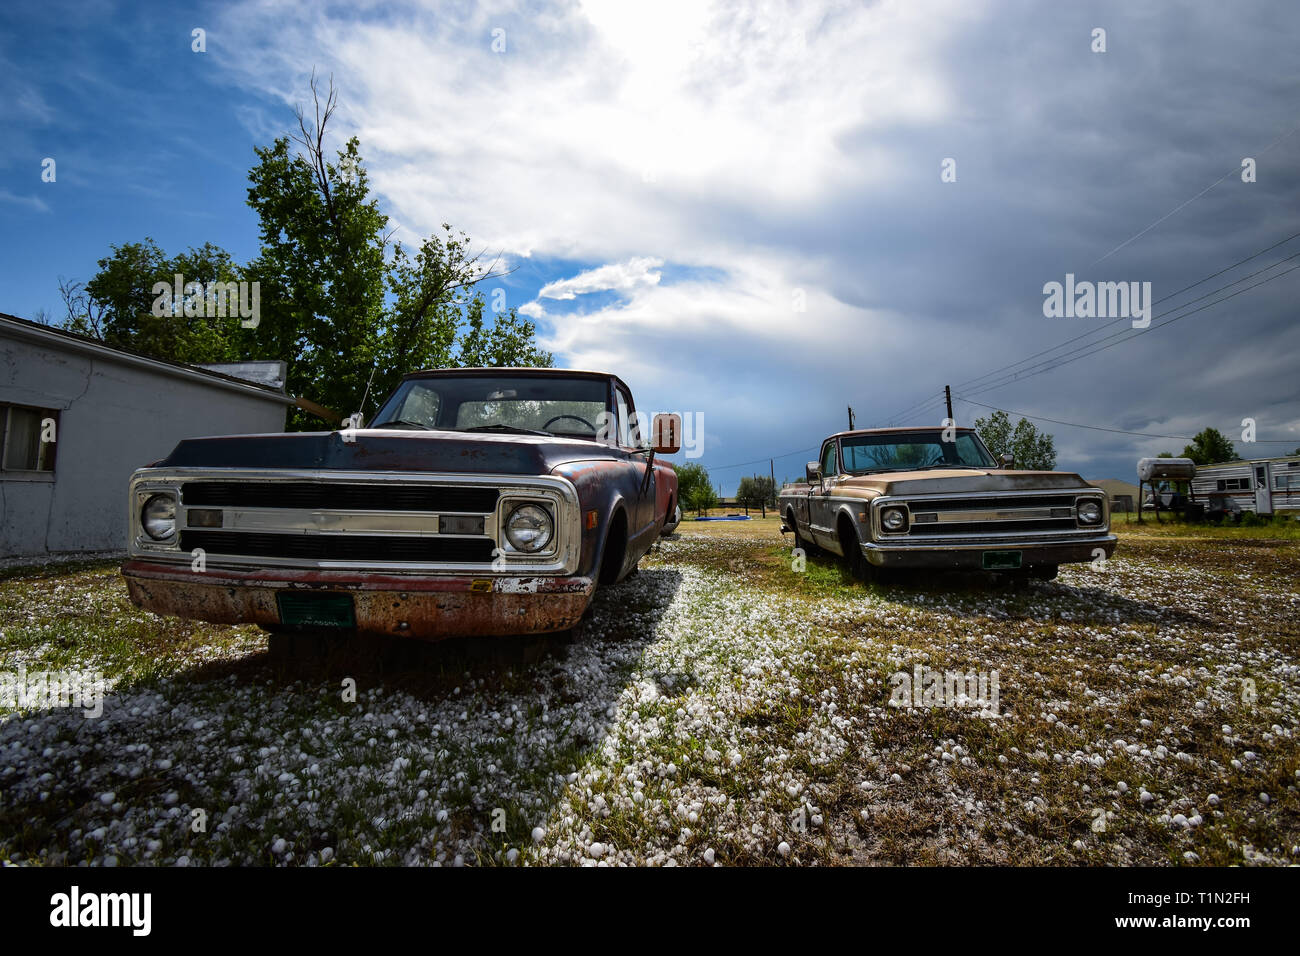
[402, 423]
[512, 429]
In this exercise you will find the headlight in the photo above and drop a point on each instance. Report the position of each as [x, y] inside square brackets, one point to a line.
[529, 528]
[1089, 512]
[894, 519]
[158, 516]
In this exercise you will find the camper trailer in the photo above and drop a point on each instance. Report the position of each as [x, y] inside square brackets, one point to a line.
[1264, 486]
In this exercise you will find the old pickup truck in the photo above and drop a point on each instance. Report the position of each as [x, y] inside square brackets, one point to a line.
[935, 498]
[477, 501]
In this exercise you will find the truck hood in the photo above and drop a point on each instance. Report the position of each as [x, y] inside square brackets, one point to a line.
[963, 481]
[386, 449]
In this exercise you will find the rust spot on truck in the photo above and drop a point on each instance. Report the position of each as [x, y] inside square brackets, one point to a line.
[428, 608]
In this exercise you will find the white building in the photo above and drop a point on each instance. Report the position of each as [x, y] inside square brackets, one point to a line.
[77, 417]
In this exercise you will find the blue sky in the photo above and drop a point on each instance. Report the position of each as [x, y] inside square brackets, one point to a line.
[736, 207]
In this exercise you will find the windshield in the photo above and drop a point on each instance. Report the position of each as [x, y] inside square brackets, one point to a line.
[908, 451]
[539, 404]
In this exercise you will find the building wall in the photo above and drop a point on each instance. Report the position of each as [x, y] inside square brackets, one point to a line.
[114, 417]
[1123, 495]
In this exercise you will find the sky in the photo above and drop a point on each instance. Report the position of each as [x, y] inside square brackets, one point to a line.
[757, 214]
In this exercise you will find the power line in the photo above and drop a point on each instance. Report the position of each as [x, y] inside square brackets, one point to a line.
[1006, 379]
[909, 409]
[1068, 357]
[1188, 202]
[743, 464]
[1101, 328]
[994, 373]
[1066, 360]
[1118, 431]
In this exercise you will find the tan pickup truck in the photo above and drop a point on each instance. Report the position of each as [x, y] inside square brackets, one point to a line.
[936, 498]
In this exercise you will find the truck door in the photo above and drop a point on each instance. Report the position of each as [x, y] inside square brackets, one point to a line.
[1263, 495]
[821, 526]
[641, 503]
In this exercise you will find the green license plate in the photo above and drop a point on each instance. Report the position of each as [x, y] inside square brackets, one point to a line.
[316, 610]
[1001, 560]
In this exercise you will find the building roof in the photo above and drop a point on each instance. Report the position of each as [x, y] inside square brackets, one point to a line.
[1239, 462]
[1115, 487]
[50, 337]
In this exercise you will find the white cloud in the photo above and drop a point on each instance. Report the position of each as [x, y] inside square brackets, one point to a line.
[31, 202]
[616, 277]
[606, 129]
[796, 147]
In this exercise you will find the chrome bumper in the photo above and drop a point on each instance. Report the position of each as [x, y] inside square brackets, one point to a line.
[968, 555]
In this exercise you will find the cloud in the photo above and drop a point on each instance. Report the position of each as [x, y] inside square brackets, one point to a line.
[791, 154]
[31, 202]
[618, 277]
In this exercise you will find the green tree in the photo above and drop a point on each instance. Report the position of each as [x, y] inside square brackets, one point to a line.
[756, 491]
[1209, 447]
[1031, 449]
[118, 305]
[694, 489]
[324, 255]
[349, 312]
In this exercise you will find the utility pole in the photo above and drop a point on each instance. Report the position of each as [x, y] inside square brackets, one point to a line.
[947, 397]
[850, 418]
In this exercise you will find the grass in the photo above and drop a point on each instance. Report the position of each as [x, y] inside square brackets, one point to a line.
[721, 707]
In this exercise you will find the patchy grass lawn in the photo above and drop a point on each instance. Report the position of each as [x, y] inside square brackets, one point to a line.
[720, 708]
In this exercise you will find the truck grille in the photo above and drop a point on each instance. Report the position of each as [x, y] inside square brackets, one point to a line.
[339, 496]
[992, 503]
[343, 547]
[1010, 515]
[389, 522]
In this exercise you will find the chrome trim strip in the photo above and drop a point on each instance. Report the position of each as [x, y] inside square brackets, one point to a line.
[325, 521]
[1004, 514]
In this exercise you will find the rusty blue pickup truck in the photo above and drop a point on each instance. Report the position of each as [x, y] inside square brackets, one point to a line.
[476, 501]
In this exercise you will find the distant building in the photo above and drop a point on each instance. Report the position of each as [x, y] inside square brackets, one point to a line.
[1123, 495]
[77, 417]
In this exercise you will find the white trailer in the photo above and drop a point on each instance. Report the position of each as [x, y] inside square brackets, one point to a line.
[1262, 485]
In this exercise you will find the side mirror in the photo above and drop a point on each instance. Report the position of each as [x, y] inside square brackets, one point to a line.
[813, 471]
[1006, 461]
[667, 430]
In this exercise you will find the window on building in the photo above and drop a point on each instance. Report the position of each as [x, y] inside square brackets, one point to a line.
[1234, 484]
[28, 437]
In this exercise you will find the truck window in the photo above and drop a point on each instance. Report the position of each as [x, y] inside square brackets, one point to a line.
[828, 459]
[626, 425]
